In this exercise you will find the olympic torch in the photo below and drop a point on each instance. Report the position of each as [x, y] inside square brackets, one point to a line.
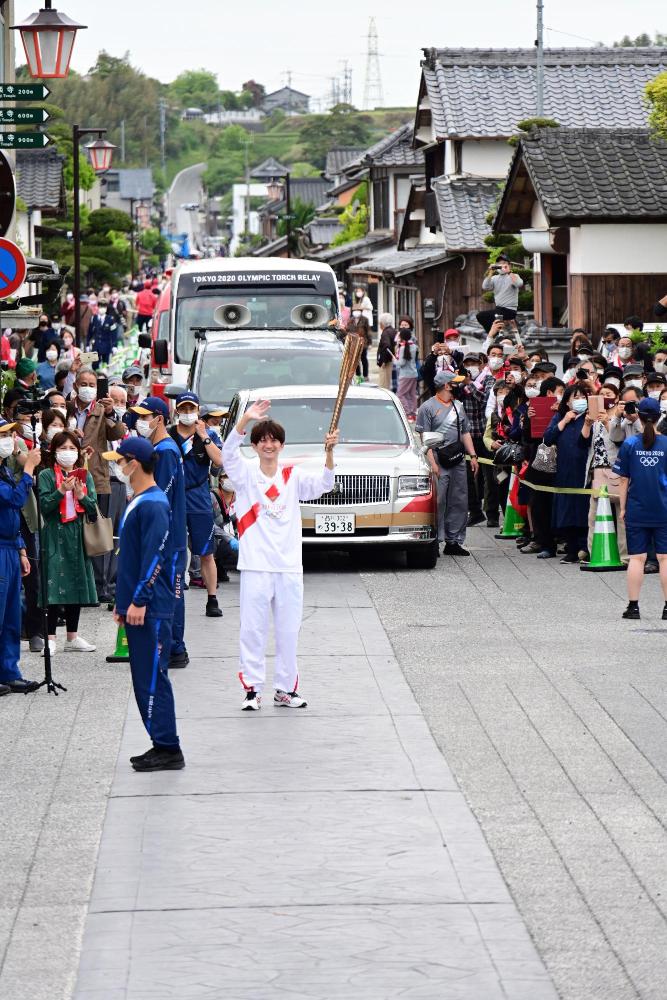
[354, 345]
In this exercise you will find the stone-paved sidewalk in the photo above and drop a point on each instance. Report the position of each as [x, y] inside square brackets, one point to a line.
[317, 854]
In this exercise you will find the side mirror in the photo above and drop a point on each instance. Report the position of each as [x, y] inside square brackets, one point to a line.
[160, 352]
[172, 391]
[145, 340]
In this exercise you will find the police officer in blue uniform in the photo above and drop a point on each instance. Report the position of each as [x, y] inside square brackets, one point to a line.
[199, 448]
[13, 560]
[152, 416]
[145, 601]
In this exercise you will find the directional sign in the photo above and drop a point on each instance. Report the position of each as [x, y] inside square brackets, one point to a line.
[23, 92]
[12, 268]
[23, 140]
[23, 116]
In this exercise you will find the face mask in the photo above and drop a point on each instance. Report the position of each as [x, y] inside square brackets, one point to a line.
[123, 476]
[532, 391]
[356, 313]
[101, 313]
[52, 431]
[559, 398]
[582, 357]
[27, 430]
[663, 405]
[132, 391]
[624, 352]
[452, 343]
[474, 372]
[52, 355]
[66, 457]
[599, 372]
[71, 423]
[67, 341]
[517, 376]
[495, 363]
[654, 394]
[86, 393]
[633, 383]
[6, 447]
[660, 367]
[187, 419]
[144, 428]
[579, 405]
[501, 404]
[120, 411]
[613, 381]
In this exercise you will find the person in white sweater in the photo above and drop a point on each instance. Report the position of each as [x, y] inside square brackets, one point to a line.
[270, 560]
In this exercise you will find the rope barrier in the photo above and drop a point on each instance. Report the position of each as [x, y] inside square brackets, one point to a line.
[567, 490]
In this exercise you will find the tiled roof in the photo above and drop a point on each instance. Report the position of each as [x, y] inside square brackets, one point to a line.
[39, 179]
[393, 150]
[322, 231]
[269, 169]
[356, 248]
[485, 92]
[269, 249]
[337, 158]
[463, 205]
[398, 262]
[594, 174]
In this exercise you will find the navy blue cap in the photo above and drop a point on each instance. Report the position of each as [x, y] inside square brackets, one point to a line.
[132, 447]
[152, 404]
[187, 397]
[131, 371]
[649, 408]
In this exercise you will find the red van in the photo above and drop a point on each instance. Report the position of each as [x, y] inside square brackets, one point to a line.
[161, 375]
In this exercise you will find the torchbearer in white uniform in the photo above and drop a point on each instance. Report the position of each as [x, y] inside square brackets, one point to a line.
[270, 559]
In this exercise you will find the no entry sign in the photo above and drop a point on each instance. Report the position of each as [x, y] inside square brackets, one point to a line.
[12, 268]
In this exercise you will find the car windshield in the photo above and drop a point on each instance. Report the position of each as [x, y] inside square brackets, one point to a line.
[363, 421]
[231, 369]
[268, 311]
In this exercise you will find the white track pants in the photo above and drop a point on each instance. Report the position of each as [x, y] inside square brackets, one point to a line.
[262, 593]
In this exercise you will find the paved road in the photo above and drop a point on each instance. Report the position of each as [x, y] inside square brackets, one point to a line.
[186, 189]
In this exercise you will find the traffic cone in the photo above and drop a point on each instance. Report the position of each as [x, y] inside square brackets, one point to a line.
[120, 654]
[604, 550]
[513, 524]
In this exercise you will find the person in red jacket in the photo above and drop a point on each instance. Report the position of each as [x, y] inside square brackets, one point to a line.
[145, 305]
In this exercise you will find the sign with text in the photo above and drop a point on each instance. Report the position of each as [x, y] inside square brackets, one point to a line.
[24, 140]
[23, 92]
[23, 116]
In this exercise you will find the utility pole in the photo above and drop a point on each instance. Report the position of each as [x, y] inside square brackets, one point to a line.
[539, 43]
[122, 141]
[163, 134]
[246, 144]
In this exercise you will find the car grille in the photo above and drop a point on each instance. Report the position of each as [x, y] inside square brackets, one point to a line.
[353, 490]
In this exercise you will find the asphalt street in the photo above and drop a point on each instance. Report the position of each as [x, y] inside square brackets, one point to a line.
[186, 189]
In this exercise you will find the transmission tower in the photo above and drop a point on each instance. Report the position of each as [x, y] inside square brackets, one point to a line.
[373, 86]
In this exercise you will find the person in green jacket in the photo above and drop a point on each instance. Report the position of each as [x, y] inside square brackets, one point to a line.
[67, 494]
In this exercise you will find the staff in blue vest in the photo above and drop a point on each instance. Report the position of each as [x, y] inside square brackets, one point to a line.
[642, 465]
[200, 448]
[13, 560]
[145, 601]
[152, 416]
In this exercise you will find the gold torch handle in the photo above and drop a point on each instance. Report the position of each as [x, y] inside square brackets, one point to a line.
[354, 345]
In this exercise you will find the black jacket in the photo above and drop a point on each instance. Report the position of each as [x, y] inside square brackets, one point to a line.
[386, 346]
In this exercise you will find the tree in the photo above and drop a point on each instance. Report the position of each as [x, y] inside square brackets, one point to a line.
[343, 126]
[656, 95]
[302, 213]
[302, 169]
[641, 41]
[353, 218]
[257, 90]
[196, 88]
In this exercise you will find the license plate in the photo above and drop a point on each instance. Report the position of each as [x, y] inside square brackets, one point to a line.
[335, 524]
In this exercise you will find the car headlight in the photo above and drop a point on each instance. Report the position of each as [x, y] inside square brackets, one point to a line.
[409, 486]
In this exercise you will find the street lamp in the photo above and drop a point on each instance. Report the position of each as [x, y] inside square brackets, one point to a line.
[100, 161]
[48, 39]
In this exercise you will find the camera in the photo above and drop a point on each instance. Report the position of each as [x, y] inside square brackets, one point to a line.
[630, 407]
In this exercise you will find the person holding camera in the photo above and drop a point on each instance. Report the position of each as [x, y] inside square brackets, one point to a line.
[446, 416]
[505, 285]
[14, 562]
[67, 494]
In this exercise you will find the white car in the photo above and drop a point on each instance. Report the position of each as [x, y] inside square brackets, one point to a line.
[384, 493]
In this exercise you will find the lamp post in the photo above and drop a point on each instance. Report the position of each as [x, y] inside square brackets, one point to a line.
[288, 210]
[48, 39]
[101, 161]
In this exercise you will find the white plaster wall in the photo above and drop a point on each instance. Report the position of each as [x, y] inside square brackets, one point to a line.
[538, 219]
[486, 157]
[618, 249]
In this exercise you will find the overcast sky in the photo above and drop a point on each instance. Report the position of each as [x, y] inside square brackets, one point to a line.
[263, 39]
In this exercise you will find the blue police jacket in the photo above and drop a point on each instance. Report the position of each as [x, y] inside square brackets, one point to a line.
[146, 556]
[170, 478]
[13, 496]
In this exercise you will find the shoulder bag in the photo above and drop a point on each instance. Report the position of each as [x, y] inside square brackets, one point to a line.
[450, 455]
[97, 534]
[545, 458]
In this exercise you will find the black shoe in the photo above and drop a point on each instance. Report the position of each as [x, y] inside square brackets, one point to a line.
[5, 689]
[159, 760]
[632, 611]
[651, 566]
[223, 577]
[104, 598]
[212, 609]
[664, 612]
[492, 522]
[454, 549]
[22, 686]
[570, 559]
[35, 644]
[178, 660]
[475, 519]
